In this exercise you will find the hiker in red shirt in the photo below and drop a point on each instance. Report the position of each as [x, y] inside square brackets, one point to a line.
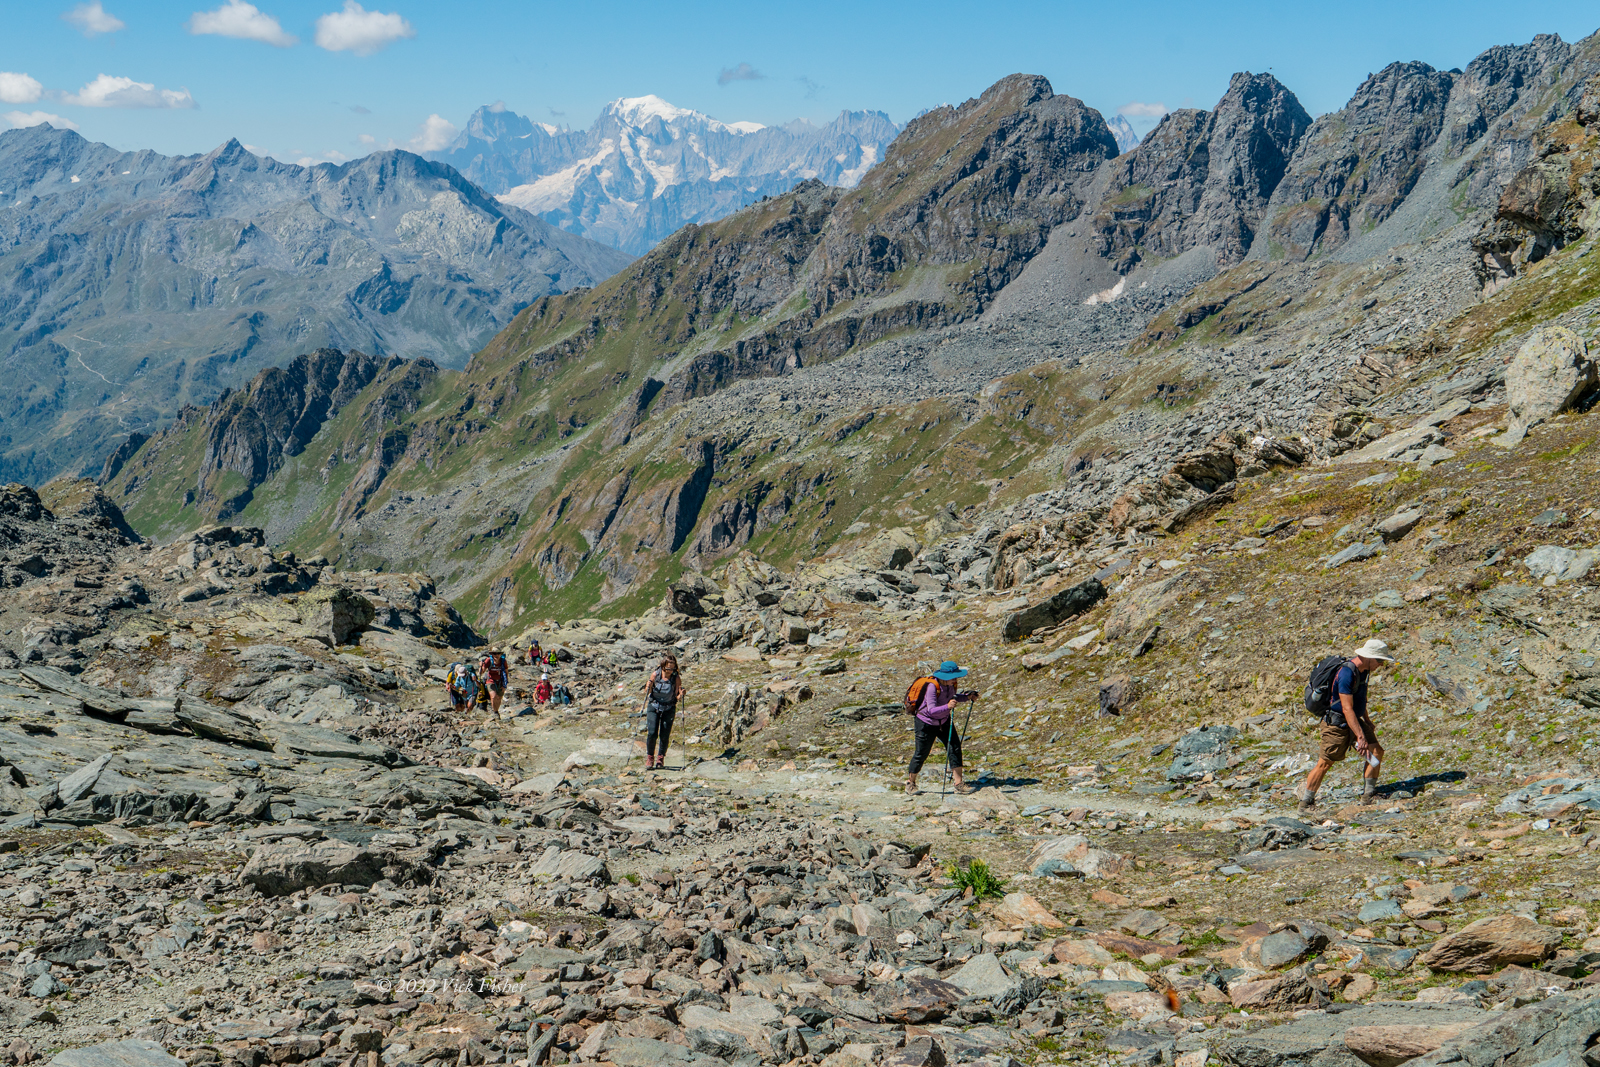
[541, 692]
[495, 672]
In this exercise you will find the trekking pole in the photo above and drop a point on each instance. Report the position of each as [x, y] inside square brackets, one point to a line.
[966, 726]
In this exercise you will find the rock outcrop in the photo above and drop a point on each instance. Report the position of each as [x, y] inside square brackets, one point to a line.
[1202, 178]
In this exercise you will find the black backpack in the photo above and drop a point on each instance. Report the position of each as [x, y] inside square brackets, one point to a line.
[1319, 689]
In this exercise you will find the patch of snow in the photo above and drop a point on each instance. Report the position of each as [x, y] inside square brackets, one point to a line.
[869, 156]
[1105, 296]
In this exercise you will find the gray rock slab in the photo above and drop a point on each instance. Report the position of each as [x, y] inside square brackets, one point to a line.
[1318, 1040]
[982, 976]
[570, 864]
[130, 1053]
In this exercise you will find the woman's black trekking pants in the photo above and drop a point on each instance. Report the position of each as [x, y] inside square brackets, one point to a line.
[927, 734]
[657, 723]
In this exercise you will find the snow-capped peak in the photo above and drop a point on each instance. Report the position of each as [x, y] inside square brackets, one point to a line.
[638, 110]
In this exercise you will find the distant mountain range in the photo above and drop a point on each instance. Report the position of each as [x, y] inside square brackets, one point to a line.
[134, 283]
[645, 168]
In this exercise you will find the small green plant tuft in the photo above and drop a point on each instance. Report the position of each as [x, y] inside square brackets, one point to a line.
[977, 877]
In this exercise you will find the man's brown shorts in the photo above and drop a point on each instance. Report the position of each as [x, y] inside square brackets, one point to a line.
[1338, 740]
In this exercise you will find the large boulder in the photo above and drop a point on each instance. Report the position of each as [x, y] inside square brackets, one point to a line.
[1283, 992]
[335, 613]
[1074, 600]
[1551, 371]
[1492, 943]
[889, 551]
[278, 870]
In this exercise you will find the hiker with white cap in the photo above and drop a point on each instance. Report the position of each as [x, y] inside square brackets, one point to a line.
[1347, 725]
[932, 701]
[541, 692]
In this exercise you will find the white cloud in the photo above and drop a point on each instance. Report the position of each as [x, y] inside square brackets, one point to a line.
[91, 18]
[255, 151]
[19, 88]
[21, 120]
[244, 21]
[110, 91]
[434, 133]
[330, 156]
[355, 29]
[1137, 110]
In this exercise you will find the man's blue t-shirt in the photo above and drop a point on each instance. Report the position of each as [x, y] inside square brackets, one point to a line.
[1353, 684]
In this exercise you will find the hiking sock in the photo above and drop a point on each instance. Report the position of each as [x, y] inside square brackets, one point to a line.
[1369, 787]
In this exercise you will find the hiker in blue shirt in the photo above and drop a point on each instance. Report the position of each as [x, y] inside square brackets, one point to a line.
[1348, 725]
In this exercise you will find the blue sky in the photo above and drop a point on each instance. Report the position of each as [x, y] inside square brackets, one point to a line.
[334, 79]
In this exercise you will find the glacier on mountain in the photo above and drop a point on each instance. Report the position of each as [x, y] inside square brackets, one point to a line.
[646, 167]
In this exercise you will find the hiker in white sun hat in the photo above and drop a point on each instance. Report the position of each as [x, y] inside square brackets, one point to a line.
[1347, 724]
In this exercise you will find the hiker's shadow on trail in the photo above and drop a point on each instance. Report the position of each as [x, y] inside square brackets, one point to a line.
[1008, 783]
[1417, 784]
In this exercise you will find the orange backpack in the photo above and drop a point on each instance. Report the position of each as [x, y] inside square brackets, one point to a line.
[913, 699]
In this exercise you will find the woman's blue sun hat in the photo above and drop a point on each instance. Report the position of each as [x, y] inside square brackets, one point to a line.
[948, 670]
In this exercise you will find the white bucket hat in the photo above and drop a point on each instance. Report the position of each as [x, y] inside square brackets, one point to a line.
[1375, 649]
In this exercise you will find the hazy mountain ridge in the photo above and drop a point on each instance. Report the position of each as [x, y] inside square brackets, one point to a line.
[131, 283]
[645, 168]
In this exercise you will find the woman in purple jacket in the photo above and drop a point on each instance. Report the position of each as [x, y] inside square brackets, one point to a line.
[935, 720]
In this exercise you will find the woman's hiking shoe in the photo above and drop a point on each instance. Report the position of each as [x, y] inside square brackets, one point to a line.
[911, 786]
[963, 788]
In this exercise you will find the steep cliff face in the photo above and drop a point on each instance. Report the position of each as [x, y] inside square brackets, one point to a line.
[1355, 166]
[1202, 178]
[1475, 128]
[977, 188]
[209, 464]
[251, 432]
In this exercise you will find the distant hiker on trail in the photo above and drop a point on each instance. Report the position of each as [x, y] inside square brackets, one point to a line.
[496, 672]
[541, 692]
[535, 654]
[661, 695]
[1346, 723]
[462, 684]
[932, 701]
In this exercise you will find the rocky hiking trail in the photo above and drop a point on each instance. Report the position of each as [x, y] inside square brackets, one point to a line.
[237, 825]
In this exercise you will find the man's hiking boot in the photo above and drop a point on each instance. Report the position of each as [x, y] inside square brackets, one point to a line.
[1369, 789]
[1307, 800]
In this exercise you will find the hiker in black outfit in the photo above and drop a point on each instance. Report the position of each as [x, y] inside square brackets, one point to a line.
[662, 693]
[935, 721]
